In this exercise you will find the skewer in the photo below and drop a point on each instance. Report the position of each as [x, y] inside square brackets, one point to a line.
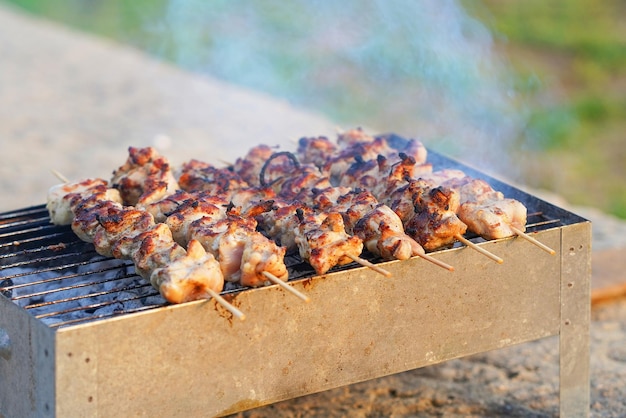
[226, 163]
[367, 264]
[532, 240]
[479, 249]
[437, 262]
[285, 286]
[60, 176]
[236, 312]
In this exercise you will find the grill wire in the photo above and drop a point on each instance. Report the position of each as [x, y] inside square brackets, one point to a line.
[48, 271]
[57, 278]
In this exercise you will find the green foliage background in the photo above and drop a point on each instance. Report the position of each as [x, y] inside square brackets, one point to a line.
[568, 61]
[577, 49]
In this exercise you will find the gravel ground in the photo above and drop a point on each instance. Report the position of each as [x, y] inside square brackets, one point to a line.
[518, 381]
[74, 103]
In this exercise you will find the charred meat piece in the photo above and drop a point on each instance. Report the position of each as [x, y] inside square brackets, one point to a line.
[145, 177]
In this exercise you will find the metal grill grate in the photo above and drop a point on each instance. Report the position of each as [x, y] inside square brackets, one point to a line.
[61, 280]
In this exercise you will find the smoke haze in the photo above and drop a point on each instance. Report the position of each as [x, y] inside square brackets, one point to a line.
[421, 69]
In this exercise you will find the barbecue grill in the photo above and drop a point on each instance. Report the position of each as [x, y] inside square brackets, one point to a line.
[81, 334]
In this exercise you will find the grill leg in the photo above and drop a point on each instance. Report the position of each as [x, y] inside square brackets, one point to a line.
[575, 321]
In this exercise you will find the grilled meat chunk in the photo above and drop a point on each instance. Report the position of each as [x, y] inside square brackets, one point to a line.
[493, 219]
[63, 199]
[322, 241]
[145, 177]
[188, 277]
[435, 223]
[382, 232]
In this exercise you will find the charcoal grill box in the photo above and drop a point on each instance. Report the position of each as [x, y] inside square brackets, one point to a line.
[195, 359]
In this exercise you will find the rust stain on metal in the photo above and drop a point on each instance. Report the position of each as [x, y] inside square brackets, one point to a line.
[310, 282]
[242, 406]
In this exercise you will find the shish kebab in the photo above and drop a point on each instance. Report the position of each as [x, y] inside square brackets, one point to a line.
[142, 190]
[434, 225]
[119, 225]
[330, 238]
[320, 239]
[427, 213]
[154, 189]
[376, 224]
[245, 256]
[187, 214]
[97, 215]
[486, 211]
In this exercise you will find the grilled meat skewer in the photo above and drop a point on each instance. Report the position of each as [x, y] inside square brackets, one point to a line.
[486, 211]
[334, 160]
[145, 177]
[379, 228]
[180, 275]
[244, 253]
[198, 215]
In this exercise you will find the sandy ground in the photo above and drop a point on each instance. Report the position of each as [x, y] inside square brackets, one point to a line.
[519, 381]
[73, 103]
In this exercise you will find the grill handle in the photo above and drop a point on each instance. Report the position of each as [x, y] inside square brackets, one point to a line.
[5, 345]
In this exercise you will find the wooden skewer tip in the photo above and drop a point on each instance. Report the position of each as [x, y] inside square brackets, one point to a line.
[229, 307]
[60, 176]
[437, 262]
[528, 238]
[480, 249]
[367, 264]
[227, 163]
[285, 286]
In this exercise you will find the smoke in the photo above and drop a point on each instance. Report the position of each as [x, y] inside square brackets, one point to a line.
[421, 69]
